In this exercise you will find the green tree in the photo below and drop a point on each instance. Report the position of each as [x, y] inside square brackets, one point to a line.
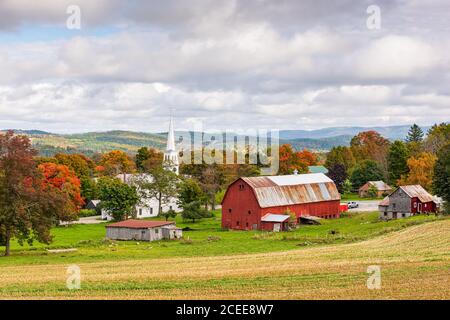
[168, 214]
[163, 186]
[397, 161]
[347, 186]
[367, 170]
[189, 191]
[194, 211]
[372, 192]
[142, 155]
[415, 134]
[340, 155]
[441, 176]
[117, 198]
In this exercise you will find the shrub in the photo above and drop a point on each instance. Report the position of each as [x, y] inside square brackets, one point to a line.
[87, 213]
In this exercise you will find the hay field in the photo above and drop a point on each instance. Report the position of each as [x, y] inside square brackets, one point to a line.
[415, 264]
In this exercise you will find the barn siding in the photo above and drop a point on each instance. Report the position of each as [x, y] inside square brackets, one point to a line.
[241, 201]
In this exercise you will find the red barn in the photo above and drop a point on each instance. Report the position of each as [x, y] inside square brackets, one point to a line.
[407, 201]
[261, 203]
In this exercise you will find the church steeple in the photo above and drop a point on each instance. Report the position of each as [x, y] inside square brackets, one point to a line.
[171, 155]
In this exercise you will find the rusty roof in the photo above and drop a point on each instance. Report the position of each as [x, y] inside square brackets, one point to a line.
[139, 224]
[276, 191]
[417, 191]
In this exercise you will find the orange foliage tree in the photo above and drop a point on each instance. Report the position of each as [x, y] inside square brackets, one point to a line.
[370, 145]
[420, 170]
[64, 180]
[291, 160]
[116, 162]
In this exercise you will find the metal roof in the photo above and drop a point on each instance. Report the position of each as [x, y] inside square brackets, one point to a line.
[317, 169]
[270, 217]
[139, 224]
[417, 191]
[276, 191]
[380, 185]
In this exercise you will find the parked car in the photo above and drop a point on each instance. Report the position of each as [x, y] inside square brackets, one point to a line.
[352, 204]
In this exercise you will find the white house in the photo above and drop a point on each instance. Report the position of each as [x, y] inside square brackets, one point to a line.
[150, 207]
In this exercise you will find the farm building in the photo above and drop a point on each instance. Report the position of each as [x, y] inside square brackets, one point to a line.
[143, 230]
[263, 203]
[407, 201]
[94, 205]
[381, 187]
[317, 169]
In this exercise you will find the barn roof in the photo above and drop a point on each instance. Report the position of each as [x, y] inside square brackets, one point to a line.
[417, 191]
[380, 185]
[413, 191]
[139, 224]
[273, 191]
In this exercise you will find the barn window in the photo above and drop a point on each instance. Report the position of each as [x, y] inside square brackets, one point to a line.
[249, 212]
[241, 187]
[403, 215]
[156, 230]
[415, 204]
[229, 210]
[385, 214]
[237, 223]
[246, 224]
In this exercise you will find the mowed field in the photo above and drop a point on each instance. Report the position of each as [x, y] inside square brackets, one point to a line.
[414, 258]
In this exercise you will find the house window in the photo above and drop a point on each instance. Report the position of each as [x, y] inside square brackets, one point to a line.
[151, 210]
[393, 205]
[170, 208]
[156, 231]
[140, 212]
[385, 214]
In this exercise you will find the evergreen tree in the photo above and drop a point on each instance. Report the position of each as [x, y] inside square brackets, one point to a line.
[415, 134]
[397, 161]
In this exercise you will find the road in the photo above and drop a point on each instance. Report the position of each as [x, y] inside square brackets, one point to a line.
[366, 205]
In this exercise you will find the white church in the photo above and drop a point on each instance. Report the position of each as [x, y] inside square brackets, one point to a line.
[150, 207]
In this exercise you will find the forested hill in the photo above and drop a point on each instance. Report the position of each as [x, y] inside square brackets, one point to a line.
[96, 142]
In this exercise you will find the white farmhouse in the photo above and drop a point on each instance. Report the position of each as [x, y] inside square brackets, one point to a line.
[150, 207]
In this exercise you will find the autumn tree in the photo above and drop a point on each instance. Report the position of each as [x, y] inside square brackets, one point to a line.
[116, 162]
[370, 145]
[420, 170]
[163, 186]
[117, 198]
[148, 158]
[62, 178]
[441, 176]
[438, 136]
[397, 161]
[291, 160]
[29, 204]
[368, 170]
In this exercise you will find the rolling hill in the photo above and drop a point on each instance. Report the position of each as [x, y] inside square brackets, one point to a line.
[97, 142]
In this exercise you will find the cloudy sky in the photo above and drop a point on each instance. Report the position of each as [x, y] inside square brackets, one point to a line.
[224, 63]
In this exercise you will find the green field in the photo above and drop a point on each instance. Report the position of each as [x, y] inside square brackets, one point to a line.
[204, 238]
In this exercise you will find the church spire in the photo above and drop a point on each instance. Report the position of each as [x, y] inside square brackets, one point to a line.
[170, 137]
[171, 155]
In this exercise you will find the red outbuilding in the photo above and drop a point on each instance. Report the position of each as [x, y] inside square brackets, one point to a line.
[264, 203]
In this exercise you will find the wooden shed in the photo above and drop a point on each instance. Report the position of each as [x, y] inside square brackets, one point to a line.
[407, 201]
[249, 202]
[143, 230]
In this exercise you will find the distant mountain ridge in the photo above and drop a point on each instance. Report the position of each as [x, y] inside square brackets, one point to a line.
[90, 143]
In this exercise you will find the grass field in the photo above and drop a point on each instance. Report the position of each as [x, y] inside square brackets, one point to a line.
[313, 262]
